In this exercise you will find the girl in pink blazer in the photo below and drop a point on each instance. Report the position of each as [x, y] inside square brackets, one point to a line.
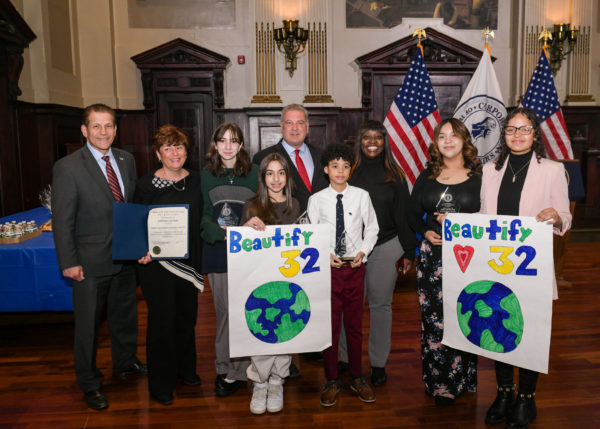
[522, 182]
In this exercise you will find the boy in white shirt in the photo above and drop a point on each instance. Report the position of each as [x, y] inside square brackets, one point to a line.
[354, 229]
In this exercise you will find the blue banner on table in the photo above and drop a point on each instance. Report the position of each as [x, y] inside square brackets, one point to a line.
[497, 286]
[279, 290]
[161, 230]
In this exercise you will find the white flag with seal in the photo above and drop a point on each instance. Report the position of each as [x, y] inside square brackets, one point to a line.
[482, 109]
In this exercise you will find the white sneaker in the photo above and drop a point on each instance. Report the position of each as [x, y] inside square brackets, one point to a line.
[258, 403]
[275, 398]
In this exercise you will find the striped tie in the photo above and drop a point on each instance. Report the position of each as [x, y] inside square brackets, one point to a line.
[113, 181]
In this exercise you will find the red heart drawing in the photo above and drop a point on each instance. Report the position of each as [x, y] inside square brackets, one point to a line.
[463, 256]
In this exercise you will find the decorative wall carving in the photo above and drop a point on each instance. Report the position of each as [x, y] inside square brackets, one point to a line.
[450, 62]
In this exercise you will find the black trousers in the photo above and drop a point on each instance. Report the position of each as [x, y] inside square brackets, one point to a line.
[117, 295]
[527, 378]
[170, 340]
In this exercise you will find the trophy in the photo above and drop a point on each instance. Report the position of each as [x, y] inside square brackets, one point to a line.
[447, 203]
[227, 217]
[345, 249]
[303, 219]
[46, 197]
[46, 201]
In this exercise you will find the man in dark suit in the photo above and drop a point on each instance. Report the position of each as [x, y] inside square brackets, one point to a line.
[85, 184]
[305, 162]
[304, 159]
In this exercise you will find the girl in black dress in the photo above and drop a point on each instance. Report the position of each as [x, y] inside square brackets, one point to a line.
[450, 183]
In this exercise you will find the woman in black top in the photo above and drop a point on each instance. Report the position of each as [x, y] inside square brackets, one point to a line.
[171, 286]
[376, 172]
[522, 182]
[450, 183]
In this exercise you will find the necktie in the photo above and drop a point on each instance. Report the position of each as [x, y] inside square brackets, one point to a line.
[340, 242]
[113, 181]
[302, 170]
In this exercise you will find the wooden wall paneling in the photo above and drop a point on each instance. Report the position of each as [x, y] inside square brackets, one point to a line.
[263, 127]
[583, 124]
[134, 134]
[348, 124]
[47, 132]
[15, 36]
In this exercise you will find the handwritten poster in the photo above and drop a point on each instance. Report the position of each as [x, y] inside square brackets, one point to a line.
[279, 289]
[497, 285]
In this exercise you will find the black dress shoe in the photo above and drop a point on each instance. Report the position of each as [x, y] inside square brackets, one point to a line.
[96, 399]
[443, 401]
[164, 399]
[378, 376]
[523, 412]
[191, 380]
[294, 371]
[223, 388]
[501, 406]
[136, 368]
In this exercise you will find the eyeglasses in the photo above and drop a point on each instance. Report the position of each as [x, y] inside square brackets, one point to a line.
[524, 130]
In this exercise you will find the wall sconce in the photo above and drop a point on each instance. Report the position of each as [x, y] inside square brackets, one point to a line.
[562, 33]
[291, 41]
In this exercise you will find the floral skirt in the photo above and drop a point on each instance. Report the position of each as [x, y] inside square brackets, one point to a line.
[445, 370]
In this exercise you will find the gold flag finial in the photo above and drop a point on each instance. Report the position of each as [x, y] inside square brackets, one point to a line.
[546, 35]
[419, 33]
[487, 33]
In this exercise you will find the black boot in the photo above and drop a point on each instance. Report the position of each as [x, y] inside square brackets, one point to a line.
[523, 412]
[501, 405]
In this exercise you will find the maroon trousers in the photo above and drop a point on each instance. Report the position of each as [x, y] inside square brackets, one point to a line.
[347, 296]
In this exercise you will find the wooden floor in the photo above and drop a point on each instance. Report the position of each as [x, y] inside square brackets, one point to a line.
[38, 389]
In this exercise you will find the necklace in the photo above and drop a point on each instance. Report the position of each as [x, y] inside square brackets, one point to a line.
[176, 188]
[231, 177]
[520, 169]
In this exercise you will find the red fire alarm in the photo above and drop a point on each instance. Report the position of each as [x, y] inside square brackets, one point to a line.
[241, 59]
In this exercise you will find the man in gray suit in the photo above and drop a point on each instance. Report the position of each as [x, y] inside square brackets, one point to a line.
[85, 184]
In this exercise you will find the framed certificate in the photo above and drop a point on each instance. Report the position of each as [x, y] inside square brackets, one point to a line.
[162, 230]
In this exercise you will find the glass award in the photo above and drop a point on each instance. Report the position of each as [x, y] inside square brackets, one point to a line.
[345, 249]
[303, 219]
[227, 217]
[447, 203]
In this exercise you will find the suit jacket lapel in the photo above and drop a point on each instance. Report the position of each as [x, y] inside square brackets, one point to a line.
[95, 172]
[296, 176]
[123, 170]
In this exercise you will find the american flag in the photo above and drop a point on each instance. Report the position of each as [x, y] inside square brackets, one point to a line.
[542, 98]
[411, 119]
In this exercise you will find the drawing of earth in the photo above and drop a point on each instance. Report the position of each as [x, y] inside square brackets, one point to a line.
[277, 311]
[490, 316]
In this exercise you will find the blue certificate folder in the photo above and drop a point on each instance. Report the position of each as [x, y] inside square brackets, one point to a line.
[130, 230]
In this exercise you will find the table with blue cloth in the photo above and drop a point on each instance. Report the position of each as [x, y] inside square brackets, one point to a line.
[30, 279]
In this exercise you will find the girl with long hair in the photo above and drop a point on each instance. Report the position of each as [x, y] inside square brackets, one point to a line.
[522, 182]
[228, 181]
[273, 204]
[450, 183]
